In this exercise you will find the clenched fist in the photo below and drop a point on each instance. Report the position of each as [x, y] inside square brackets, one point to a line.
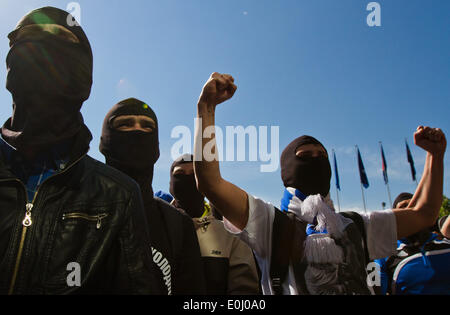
[431, 140]
[218, 89]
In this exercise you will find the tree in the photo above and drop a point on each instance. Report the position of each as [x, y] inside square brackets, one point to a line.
[445, 208]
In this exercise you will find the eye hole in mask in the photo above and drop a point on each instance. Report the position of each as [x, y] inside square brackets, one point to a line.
[308, 151]
[133, 123]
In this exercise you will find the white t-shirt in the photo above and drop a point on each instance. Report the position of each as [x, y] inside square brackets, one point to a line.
[381, 230]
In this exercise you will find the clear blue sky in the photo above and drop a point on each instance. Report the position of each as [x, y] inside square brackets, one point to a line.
[310, 67]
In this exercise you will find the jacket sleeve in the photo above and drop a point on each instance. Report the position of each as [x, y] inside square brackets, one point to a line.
[136, 272]
[190, 276]
[243, 276]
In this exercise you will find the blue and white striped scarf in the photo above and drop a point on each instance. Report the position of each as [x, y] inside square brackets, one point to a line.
[325, 224]
[317, 211]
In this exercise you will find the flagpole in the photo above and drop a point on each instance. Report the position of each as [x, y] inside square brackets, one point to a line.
[337, 194]
[389, 194]
[386, 181]
[364, 199]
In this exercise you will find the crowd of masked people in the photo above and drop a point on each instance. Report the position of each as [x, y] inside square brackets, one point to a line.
[60, 207]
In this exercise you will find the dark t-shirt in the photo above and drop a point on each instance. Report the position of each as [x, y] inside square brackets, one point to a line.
[175, 250]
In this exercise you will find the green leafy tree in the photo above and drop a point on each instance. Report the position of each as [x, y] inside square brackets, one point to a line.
[445, 208]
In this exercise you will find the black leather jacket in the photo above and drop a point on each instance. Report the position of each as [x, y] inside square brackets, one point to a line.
[88, 214]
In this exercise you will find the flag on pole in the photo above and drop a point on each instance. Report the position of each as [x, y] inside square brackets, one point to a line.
[411, 161]
[362, 171]
[385, 175]
[384, 166]
[336, 174]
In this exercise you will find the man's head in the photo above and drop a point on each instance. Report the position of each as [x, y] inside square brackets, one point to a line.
[49, 76]
[53, 20]
[305, 166]
[402, 200]
[129, 138]
[183, 166]
[183, 186]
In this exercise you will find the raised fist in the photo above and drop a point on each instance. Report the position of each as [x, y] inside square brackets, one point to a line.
[431, 140]
[218, 89]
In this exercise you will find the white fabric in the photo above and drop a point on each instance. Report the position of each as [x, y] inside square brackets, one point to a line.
[380, 226]
[315, 207]
[320, 248]
[381, 230]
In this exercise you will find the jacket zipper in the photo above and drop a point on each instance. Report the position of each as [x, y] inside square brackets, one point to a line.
[78, 215]
[27, 222]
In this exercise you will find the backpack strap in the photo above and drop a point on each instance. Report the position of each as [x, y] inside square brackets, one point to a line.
[282, 240]
[391, 264]
[358, 220]
[297, 252]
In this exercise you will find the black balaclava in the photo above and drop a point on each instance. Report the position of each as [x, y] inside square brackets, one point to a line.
[132, 152]
[184, 189]
[310, 175]
[49, 79]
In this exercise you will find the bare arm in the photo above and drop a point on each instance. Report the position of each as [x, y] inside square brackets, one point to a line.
[230, 200]
[423, 209]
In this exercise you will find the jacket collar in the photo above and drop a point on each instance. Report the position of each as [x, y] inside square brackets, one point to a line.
[79, 148]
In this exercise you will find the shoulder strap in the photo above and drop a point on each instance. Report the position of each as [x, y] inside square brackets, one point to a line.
[297, 251]
[391, 264]
[358, 220]
[282, 239]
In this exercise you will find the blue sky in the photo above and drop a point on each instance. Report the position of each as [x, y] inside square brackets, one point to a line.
[309, 67]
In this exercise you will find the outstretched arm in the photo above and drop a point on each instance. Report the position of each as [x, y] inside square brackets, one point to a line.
[423, 210]
[229, 199]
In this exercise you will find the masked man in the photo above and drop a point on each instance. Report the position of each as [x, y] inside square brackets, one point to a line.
[420, 264]
[229, 265]
[68, 223]
[130, 144]
[331, 242]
